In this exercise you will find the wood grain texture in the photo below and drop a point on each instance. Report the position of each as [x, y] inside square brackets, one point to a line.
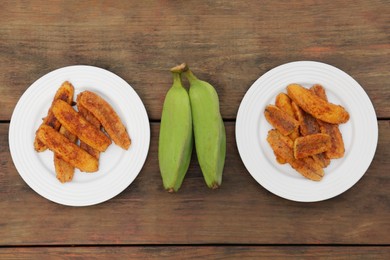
[240, 212]
[201, 252]
[228, 43]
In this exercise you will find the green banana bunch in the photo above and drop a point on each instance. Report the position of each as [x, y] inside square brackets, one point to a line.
[176, 137]
[209, 129]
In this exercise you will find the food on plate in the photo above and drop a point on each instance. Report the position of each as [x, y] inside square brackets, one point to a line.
[310, 145]
[283, 148]
[95, 122]
[107, 116]
[65, 93]
[307, 123]
[176, 137]
[317, 107]
[283, 102]
[79, 126]
[64, 126]
[321, 159]
[67, 150]
[209, 129]
[281, 120]
[64, 170]
[337, 149]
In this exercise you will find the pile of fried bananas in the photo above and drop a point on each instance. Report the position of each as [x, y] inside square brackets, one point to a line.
[77, 137]
[306, 134]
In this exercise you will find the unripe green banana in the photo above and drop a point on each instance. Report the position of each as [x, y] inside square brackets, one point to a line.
[176, 138]
[209, 129]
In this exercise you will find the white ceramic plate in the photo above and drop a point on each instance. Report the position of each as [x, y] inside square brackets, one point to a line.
[360, 133]
[117, 167]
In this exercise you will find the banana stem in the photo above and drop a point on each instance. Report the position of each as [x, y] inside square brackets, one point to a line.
[177, 79]
[190, 76]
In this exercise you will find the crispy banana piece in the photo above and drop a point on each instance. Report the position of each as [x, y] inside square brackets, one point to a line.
[317, 107]
[283, 148]
[65, 92]
[64, 171]
[337, 148]
[307, 123]
[310, 145]
[107, 116]
[67, 150]
[321, 159]
[93, 120]
[319, 90]
[279, 119]
[79, 126]
[283, 102]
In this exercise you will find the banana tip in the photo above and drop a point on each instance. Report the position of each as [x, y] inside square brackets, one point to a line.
[214, 186]
[170, 190]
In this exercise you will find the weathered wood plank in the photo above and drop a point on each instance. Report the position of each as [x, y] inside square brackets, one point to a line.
[227, 43]
[241, 211]
[199, 252]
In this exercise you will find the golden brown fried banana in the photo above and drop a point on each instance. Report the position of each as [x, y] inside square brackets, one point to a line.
[307, 123]
[67, 150]
[65, 93]
[308, 168]
[281, 145]
[317, 107]
[283, 148]
[94, 121]
[321, 159]
[283, 102]
[319, 90]
[64, 171]
[107, 116]
[279, 119]
[310, 145]
[337, 149]
[79, 126]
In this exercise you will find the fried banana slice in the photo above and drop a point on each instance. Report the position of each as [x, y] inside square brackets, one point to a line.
[107, 116]
[321, 159]
[79, 126]
[307, 123]
[317, 107]
[283, 147]
[65, 93]
[319, 90]
[67, 150]
[279, 119]
[93, 120]
[337, 148]
[64, 171]
[310, 145]
[283, 102]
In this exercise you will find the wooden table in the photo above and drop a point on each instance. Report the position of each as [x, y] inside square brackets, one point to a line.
[230, 44]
